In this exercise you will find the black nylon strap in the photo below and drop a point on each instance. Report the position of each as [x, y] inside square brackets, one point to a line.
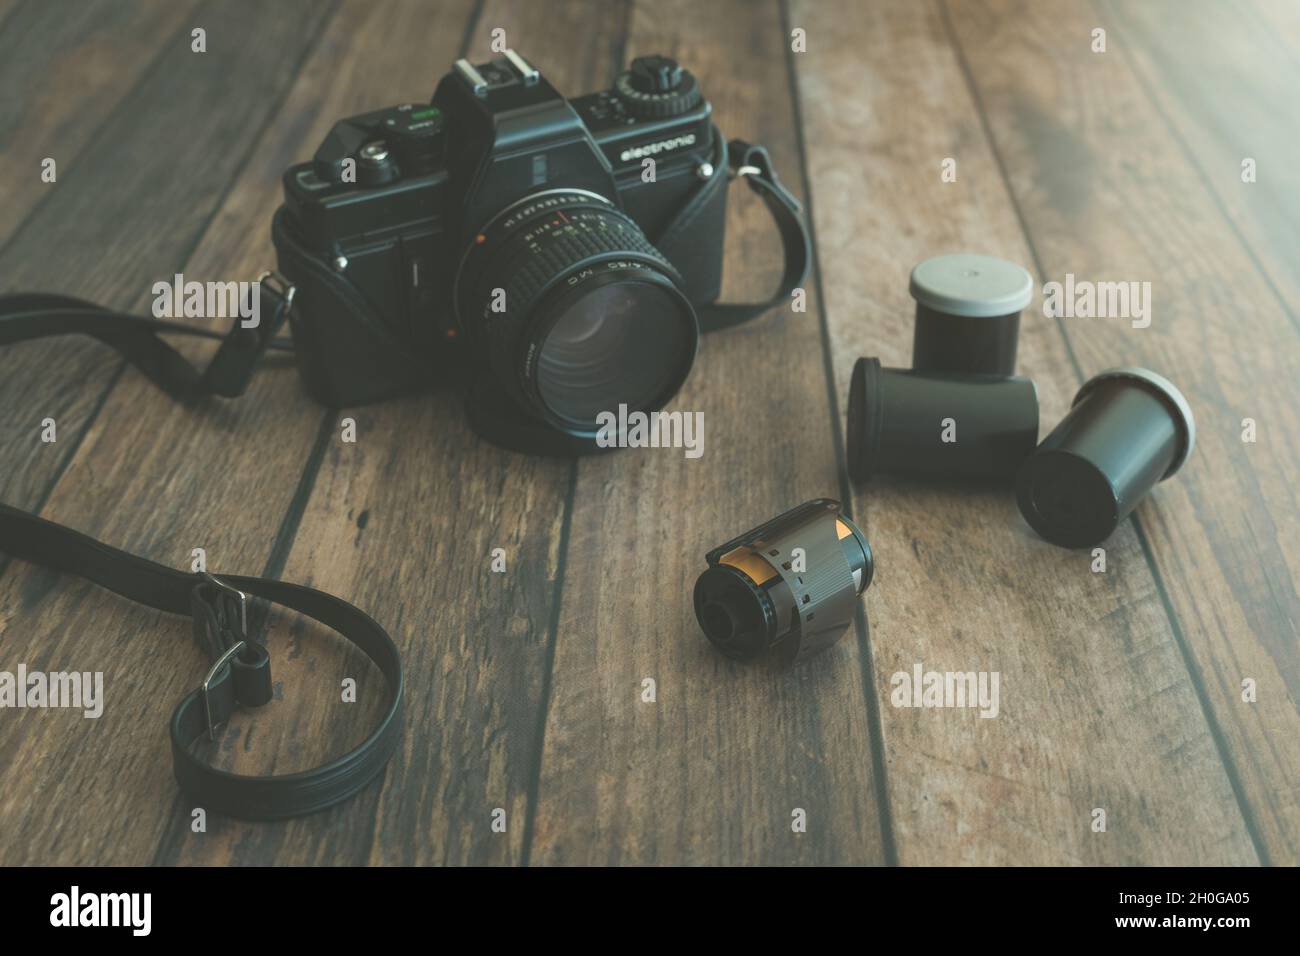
[34, 315]
[241, 672]
[741, 160]
[25, 316]
[242, 676]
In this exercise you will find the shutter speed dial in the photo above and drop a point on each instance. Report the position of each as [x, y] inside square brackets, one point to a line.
[657, 87]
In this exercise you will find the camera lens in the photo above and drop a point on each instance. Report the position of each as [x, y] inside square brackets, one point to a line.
[577, 312]
[611, 345]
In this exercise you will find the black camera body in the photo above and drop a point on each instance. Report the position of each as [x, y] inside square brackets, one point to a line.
[552, 251]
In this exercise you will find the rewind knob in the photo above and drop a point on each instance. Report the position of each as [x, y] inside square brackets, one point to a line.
[657, 87]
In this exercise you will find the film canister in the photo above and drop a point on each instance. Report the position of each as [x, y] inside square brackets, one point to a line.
[938, 425]
[968, 313]
[789, 586]
[1127, 429]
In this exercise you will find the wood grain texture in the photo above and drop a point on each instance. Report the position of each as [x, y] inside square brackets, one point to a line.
[1118, 690]
[64, 69]
[1223, 77]
[147, 474]
[712, 771]
[1096, 706]
[130, 212]
[1131, 205]
[404, 522]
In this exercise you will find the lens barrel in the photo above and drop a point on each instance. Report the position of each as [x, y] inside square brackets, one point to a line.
[576, 312]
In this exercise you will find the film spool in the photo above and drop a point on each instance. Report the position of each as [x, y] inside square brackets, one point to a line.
[789, 586]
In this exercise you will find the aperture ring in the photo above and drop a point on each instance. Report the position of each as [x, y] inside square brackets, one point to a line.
[543, 255]
[526, 268]
[560, 253]
[549, 251]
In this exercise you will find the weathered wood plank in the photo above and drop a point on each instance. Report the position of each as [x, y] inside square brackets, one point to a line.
[128, 214]
[1130, 205]
[712, 771]
[404, 522]
[309, 726]
[1224, 76]
[56, 113]
[1103, 701]
[149, 475]
[64, 68]
[1096, 709]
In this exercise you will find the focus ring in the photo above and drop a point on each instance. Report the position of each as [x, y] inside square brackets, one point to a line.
[574, 311]
[561, 252]
[549, 258]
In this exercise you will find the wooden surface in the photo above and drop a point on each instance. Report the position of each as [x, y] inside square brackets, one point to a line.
[1120, 691]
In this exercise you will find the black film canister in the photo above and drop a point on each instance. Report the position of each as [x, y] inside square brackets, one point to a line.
[968, 313]
[1128, 429]
[789, 586]
[938, 425]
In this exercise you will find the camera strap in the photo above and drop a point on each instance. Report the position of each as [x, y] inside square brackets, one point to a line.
[240, 675]
[741, 160]
[36, 315]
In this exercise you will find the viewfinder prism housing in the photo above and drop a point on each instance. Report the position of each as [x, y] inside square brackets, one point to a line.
[788, 587]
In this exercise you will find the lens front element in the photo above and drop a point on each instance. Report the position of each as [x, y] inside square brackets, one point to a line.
[610, 344]
[578, 312]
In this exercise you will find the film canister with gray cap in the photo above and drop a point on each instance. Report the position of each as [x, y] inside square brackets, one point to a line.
[1127, 429]
[968, 313]
[939, 425]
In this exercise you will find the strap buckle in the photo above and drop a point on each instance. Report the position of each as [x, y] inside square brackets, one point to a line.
[231, 368]
[204, 688]
[220, 613]
[279, 285]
